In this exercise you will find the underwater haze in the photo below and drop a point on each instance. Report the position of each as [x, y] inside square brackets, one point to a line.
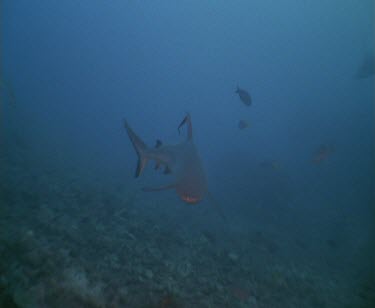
[161, 154]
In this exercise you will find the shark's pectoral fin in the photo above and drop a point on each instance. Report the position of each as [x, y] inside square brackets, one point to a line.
[148, 189]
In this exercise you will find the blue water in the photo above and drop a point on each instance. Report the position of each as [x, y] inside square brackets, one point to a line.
[296, 186]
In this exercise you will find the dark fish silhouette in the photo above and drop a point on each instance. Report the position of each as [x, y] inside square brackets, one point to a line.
[6, 87]
[322, 153]
[367, 67]
[242, 124]
[181, 160]
[244, 96]
[270, 164]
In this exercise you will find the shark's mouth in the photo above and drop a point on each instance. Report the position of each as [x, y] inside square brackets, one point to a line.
[190, 199]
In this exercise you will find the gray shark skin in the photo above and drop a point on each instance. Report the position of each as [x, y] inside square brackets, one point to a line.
[181, 160]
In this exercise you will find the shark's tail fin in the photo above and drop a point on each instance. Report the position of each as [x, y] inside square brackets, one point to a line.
[140, 147]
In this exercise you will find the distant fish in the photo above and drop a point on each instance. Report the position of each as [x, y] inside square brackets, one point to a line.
[270, 164]
[244, 96]
[367, 67]
[209, 236]
[168, 300]
[242, 124]
[6, 86]
[322, 153]
[240, 293]
[332, 243]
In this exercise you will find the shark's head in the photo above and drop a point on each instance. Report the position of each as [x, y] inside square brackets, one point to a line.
[192, 190]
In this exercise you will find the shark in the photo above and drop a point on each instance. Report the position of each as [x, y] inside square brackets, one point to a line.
[182, 160]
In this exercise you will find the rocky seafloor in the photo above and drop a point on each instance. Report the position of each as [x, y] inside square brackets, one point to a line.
[65, 244]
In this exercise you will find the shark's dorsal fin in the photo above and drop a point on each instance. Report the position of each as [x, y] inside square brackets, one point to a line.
[187, 121]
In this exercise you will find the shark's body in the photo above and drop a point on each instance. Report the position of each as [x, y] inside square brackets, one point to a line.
[182, 160]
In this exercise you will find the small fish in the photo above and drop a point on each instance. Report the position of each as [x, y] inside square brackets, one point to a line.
[270, 164]
[6, 87]
[244, 96]
[240, 293]
[242, 124]
[209, 236]
[322, 153]
[367, 67]
[169, 300]
[332, 243]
